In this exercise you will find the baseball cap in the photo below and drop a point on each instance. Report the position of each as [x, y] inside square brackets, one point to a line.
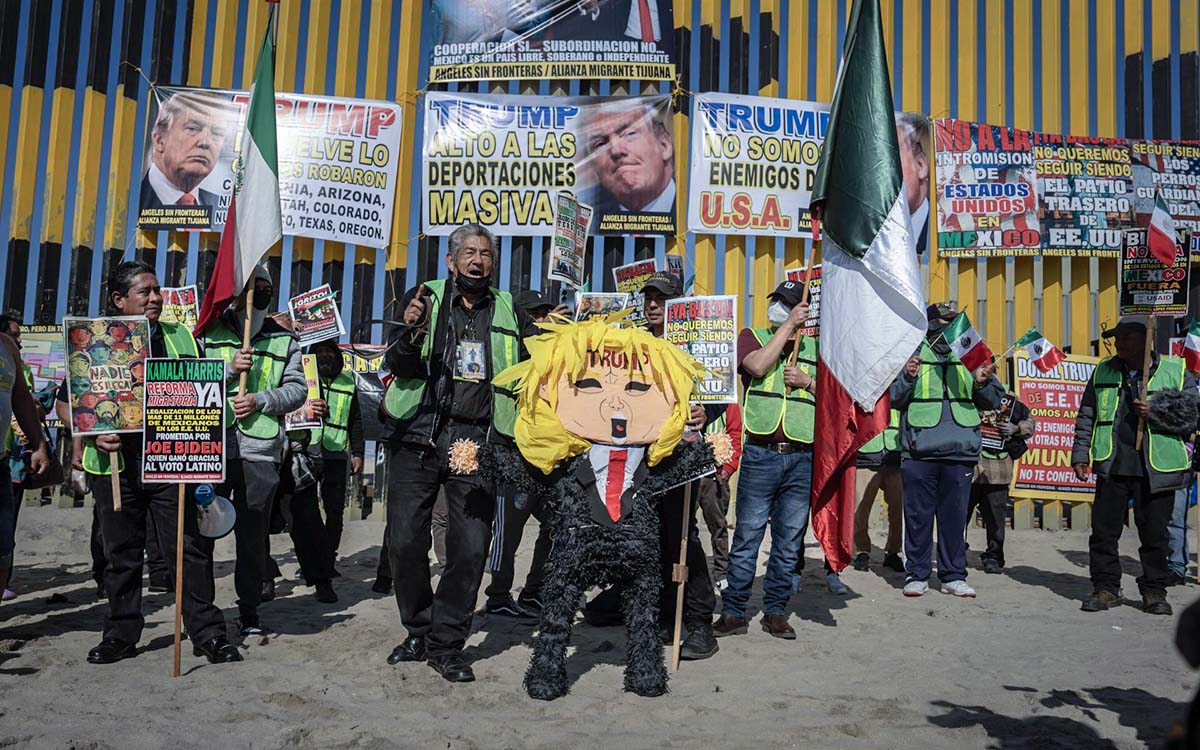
[531, 299]
[943, 311]
[1127, 325]
[667, 283]
[789, 293]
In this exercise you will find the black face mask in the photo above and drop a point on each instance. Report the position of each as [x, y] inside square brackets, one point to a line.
[262, 299]
[329, 368]
[471, 284]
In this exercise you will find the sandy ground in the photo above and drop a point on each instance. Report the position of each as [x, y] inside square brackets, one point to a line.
[1019, 667]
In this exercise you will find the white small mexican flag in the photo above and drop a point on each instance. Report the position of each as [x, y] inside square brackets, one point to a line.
[1043, 354]
[966, 343]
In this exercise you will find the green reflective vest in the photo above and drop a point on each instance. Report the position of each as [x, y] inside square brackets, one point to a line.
[937, 380]
[266, 372]
[334, 434]
[768, 404]
[180, 345]
[404, 395]
[1166, 453]
[888, 440]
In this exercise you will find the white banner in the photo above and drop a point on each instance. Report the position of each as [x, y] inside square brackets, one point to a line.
[753, 164]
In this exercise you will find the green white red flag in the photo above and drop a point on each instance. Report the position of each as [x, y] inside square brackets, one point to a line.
[966, 343]
[1161, 236]
[1191, 347]
[1044, 355]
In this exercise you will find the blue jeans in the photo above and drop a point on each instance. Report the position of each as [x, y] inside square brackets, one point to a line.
[935, 490]
[1177, 552]
[774, 488]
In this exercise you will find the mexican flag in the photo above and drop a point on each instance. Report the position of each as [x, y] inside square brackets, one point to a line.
[966, 343]
[1161, 236]
[255, 221]
[872, 309]
[1043, 354]
[1191, 348]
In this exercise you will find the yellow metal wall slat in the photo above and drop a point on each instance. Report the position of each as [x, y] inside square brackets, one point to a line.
[1081, 287]
[996, 301]
[705, 244]
[1024, 312]
[1053, 314]
[406, 88]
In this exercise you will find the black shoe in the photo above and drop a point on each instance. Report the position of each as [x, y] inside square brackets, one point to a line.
[382, 585]
[325, 593]
[892, 561]
[1175, 579]
[530, 603]
[100, 592]
[110, 651]
[249, 625]
[509, 610]
[452, 667]
[700, 642]
[161, 584]
[268, 590]
[218, 650]
[992, 566]
[861, 561]
[1100, 601]
[1155, 603]
[413, 649]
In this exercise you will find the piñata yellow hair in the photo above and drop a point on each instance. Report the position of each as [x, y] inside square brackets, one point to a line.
[540, 434]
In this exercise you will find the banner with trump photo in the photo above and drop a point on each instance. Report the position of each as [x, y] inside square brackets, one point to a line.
[499, 161]
[337, 163]
[480, 40]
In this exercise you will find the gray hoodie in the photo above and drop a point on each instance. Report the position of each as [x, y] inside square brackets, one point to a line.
[289, 396]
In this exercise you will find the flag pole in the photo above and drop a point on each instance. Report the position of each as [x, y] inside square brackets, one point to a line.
[246, 334]
[803, 301]
[679, 575]
[1145, 380]
[178, 578]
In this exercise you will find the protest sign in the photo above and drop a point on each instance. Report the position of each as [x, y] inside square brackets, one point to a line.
[185, 421]
[305, 418]
[986, 190]
[500, 161]
[479, 40]
[706, 328]
[44, 352]
[675, 265]
[337, 163]
[630, 279]
[315, 316]
[1045, 472]
[371, 377]
[1147, 286]
[600, 303]
[180, 306]
[106, 361]
[754, 160]
[1085, 194]
[993, 440]
[569, 245]
[1171, 169]
[812, 324]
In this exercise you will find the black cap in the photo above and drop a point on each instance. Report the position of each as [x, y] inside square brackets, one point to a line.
[665, 282]
[942, 311]
[789, 293]
[1130, 324]
[531, 299]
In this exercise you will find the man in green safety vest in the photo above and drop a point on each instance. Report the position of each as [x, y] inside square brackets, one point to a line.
[877, 467]
[1111, 414]
[939, 401]
[254, 436]
[776, 480]
[439, 408]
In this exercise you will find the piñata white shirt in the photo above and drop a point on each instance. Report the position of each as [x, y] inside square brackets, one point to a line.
[599, 456]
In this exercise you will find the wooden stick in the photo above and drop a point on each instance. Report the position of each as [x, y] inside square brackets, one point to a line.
[114, 460]
[179, 578]
[803, 301]
[1145, 379]
[246, 334]
[680, 576]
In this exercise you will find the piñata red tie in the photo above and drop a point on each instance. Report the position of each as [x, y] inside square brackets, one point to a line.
[616, 480]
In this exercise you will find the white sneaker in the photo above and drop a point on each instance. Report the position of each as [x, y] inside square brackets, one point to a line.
[958, 588]
[915, 588]
[833, 583]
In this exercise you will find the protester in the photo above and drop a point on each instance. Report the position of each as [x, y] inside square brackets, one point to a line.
[939, 401]
[776, 474]
[457, 334]
[1177, 549]
[254, 438]
[17, 445]
[713, 491]
[134, 290]
[340, 437]
[993, 475]
[513, 512]
[877, 467]
[1111, 414]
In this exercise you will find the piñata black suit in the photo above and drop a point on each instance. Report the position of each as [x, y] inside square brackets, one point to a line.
[591, 549]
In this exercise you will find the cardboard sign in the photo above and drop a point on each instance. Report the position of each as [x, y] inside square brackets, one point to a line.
[1053, 397]
[180, 305]
[185, 421]
[1147, 286]
[989, 428]
[706, 328]
[630, 279]
[569, 245]
[812, 324]
[304, 418]
[106, 363]
[315, 316]
[600, 303]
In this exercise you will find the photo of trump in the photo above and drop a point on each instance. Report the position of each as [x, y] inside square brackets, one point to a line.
[184, 147]
[628, 159]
